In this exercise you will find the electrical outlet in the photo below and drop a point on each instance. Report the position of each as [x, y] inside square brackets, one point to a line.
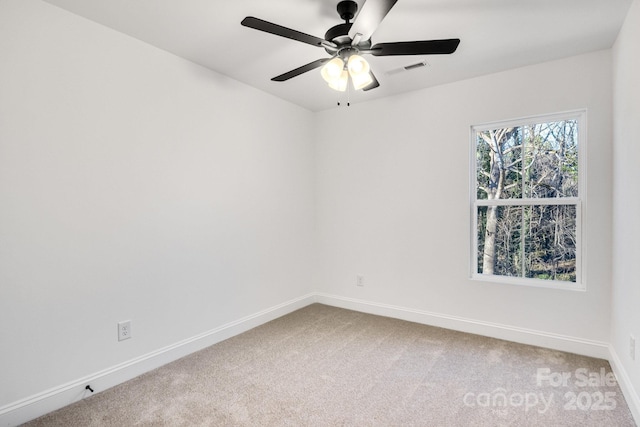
[632, 347]
[124, 330]
[359, 280]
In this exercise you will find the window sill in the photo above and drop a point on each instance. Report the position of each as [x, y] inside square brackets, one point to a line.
[536, 283]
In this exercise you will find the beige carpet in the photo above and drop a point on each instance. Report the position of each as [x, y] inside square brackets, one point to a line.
[325, 366]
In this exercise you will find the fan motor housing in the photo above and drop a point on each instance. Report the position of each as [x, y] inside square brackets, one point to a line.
[339, 34]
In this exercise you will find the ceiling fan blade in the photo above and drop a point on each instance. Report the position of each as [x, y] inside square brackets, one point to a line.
[300, 70]
[369, 17]
[424, 47]
[279, 30]
[374, 84]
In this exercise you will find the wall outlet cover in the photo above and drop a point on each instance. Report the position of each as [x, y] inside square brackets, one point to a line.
[124, 330]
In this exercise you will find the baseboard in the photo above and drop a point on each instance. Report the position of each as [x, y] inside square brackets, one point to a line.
[42, 403]
[630, 393]
[510, 333]
[63, 395]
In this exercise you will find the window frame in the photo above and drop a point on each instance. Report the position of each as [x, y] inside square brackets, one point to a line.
[579, 202]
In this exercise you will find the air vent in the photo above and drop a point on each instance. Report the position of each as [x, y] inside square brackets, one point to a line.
[408, 68]
[414, 66]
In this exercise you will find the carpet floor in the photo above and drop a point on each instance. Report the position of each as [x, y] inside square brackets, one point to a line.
[326, 366]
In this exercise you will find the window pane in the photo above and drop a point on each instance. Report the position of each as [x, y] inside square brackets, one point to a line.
[499, 240]
[548, 251]
[551, 159]
[543, 155]
[550, 242]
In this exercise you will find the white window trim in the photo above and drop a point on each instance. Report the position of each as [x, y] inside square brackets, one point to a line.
[580, 202]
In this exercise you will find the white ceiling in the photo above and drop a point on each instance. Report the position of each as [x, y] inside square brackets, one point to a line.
[495, 35]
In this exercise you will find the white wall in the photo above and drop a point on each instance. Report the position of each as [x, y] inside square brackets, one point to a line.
[135, 185]
[626, 203]
[393, 201]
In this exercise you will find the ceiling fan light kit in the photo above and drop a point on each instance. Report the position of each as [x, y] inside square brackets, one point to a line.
[346, 43]
[337, 73]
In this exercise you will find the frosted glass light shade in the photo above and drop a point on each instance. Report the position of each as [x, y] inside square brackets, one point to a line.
[361, 81]
[359, 72]
[357, 65]
[332, 70]
[335, 74]
[340, 84]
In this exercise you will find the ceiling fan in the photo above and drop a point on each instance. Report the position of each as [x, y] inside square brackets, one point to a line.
[346, 43]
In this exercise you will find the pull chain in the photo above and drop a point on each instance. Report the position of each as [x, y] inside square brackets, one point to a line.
[348, 94]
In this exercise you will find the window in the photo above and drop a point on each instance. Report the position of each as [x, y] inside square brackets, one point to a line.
[527, 185]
